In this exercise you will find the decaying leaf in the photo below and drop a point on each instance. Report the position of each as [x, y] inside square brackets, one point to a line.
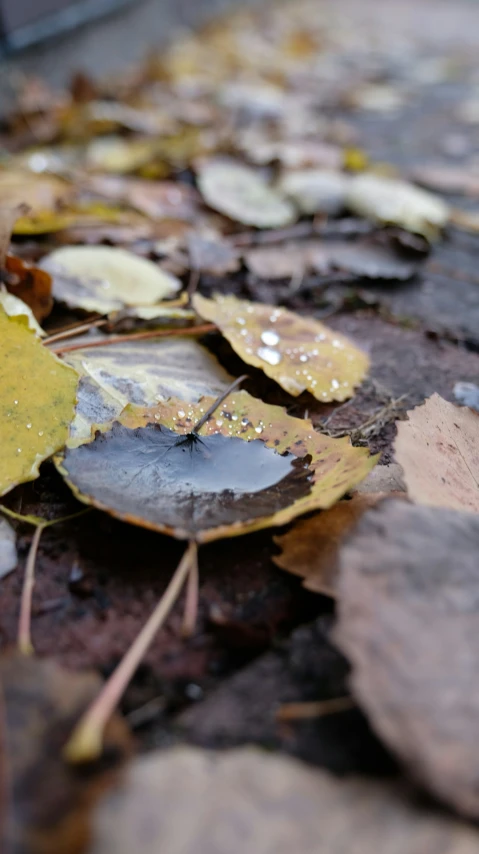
[242, 194]
[36, 405]
[315, 190]
[8, 548]
[408, 621]
[311, 548]
[13, 306]
[49, 802]
[390, 201]
[30, 284]
[106, 278]
[156, 199]
[439, 452]
[223, 482]
[299, 353]
[40, 192]
[143, 373]
[213, 256]
[188, 801]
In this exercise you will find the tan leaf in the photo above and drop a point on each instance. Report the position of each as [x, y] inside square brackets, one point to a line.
[299, 353]
[438, 450]
[190, 801]
[38, 394]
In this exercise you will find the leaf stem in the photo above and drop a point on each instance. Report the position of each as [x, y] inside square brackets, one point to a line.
[85, 743]
[24, 624]
[214, 406]
[191, 604]
[75, 329]
[137, 336]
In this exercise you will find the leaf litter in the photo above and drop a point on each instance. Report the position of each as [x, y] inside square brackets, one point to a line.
[226, 166]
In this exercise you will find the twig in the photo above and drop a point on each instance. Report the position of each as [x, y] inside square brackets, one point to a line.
[193, 282]
[190, 615]
[314, 709]
[24, 624]
[214, 406]
[75, 329]
[138, 336]
[85, 743]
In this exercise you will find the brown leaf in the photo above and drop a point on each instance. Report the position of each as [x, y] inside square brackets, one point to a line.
[50, 801]
[311, 548]
[30, 284]
[408, 598]
[188, 801]
[438, 450]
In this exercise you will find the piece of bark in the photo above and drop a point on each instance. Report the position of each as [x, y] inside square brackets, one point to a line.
[311, 548]
[408, 596]
[189, 801]
[438, 449]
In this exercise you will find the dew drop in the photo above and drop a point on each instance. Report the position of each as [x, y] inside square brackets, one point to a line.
[29, 426]
[234, 417]
[244, 332]
[303, 358]
[241, 321]
[15, 402]
[19, 450]
[219, 422]
[334, 384]
[272, 357]
[40, 432]
[270, 338]
[245, 421]
[181, 413]
[258, 429]
[337, 344]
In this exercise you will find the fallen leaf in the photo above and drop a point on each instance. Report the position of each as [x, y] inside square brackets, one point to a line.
[242, 194]
[8, 548]
[467, 394]
[13, 306]
[156, 199]
[448, 179]
[106, 278]
[143, 373]
[315, 190]
[299, 353]
[37, 402]
[387, 478]
[438, 451]
[408, 622]
[367, 259]
[215, 256]
[393, 202]
[311, 548]
[40, 192]
[30, 284]
[190, 801]
[51, 801]
[145, 470]
[280, 262]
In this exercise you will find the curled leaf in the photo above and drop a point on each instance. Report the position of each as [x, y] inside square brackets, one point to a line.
[242, 194]
[221, 483]
[30, 284]
[297, 352]
[13, 306]
[106, 278]
[36, 405]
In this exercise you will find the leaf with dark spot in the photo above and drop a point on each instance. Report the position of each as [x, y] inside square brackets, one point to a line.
[223, 482]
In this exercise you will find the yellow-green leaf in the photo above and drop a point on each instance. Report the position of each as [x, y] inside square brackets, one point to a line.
[37, 400]
[141, 472]
[300, 353]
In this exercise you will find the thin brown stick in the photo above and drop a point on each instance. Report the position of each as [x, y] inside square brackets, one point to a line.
[24, 623]
[314, 709]
[75, 329]
[193, 282]
[138, 336]
[190, 615]
[85, 743]
[214, 406]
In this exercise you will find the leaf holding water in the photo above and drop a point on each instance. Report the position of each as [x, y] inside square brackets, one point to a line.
[252, 466]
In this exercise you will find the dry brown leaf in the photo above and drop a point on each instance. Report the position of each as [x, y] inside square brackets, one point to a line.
[409, 623]
[297, 352]
[30, 284]
[189, 801]
[311, 548]
[50, 801]
[438, 450]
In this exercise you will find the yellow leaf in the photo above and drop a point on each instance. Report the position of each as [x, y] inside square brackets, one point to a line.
[300, 353]
[37, 400]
